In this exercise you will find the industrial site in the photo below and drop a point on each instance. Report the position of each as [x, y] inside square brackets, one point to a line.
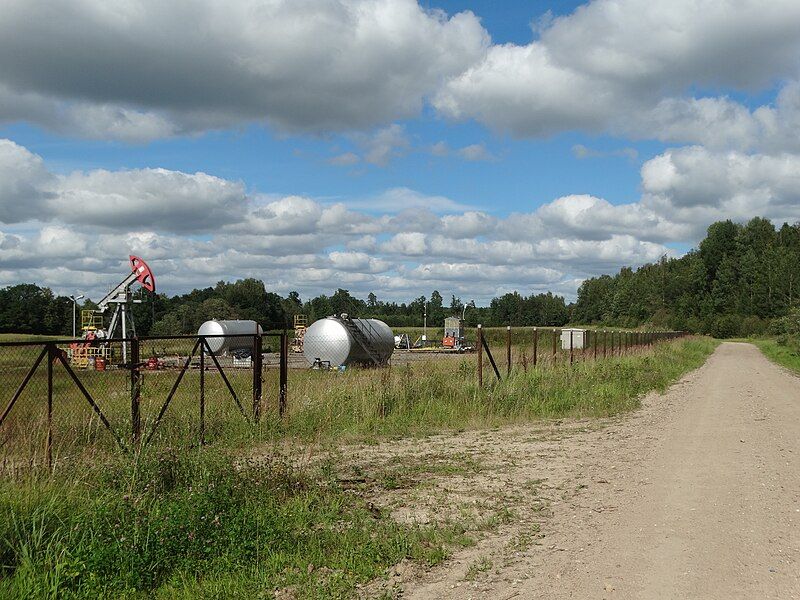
[399, 300]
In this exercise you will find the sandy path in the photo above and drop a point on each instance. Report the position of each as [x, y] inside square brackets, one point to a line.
[696, 495]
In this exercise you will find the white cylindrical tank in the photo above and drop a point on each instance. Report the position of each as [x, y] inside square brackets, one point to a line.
[239, 335]
[331, 340]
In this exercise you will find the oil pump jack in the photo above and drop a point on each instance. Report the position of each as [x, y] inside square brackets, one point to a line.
[121, 298]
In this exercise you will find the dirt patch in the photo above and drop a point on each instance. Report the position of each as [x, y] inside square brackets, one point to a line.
[695, 495]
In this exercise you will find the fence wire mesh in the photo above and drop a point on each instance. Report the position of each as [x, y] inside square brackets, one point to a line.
[62, 400]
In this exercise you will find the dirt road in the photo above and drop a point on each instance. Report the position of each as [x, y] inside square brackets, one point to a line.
[696, 495]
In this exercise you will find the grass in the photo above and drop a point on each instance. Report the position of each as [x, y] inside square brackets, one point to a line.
[180, 522]
[198, 525]
[784, 355]
[431, 395]
[435, 395]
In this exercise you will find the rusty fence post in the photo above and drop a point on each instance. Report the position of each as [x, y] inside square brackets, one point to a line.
[508, 350]
[595, 345]
[136, 391]
[480, 356]
[571, 348]
[257, 381]
[202, 391]
[555, 350]
[535, 345]
[51, 356]
[284, 374]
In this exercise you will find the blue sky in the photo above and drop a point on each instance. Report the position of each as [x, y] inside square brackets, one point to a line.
[385, 145]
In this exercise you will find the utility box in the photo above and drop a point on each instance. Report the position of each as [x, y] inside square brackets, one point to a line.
[453, 333]
[572, 338]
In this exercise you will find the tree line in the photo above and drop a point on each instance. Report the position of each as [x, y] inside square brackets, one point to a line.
[30, 309]
[738, 280]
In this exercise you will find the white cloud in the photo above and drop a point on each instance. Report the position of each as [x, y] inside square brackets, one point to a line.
[470, 224]
[157, 198]
[24, 184]
[148, 69]
[406, 244]
[622, 66]
[695, 186]
[400, 199]
[346, 159]
[475, 153]
[195, 229]
[384, 145]
[440, 149]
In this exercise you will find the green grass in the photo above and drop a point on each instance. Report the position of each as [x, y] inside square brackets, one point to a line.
[434, 395]
[198, 525]
[179, 522]
[431, 395]
[784, 355]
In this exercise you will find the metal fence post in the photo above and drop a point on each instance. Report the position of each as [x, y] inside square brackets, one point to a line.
[571, 347]
[555, 350]
[535, 345]
[257, 383]
[284, 374]
[136, 417]
[508, 350]
[202, 406]
[51, 356]
[480, 355]
[595, 344]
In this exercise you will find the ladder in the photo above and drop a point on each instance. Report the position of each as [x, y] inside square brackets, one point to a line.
[361, 338]
[300, 326]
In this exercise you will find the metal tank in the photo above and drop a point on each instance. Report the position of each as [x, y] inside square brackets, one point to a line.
[344, 340]
[239, 335]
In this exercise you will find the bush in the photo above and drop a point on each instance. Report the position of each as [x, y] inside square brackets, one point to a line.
[753, 326]
[788, 325]
[726, 326]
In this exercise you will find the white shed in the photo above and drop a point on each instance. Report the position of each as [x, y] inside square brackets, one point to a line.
[572, 338]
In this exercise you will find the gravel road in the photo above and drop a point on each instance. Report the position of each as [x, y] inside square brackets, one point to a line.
[695, 495]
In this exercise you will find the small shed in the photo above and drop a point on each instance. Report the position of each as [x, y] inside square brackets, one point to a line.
[572, 338]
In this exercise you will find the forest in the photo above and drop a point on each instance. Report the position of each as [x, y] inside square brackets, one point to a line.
[739, 279]
[30, 309]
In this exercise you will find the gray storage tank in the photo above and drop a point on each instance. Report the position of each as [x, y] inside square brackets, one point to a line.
[239, 335]
[344, 340]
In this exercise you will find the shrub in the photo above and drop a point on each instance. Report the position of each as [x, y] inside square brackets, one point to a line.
[726, 326]
[753, 326]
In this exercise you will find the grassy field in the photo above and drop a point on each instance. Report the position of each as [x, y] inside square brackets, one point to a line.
[785, 356]
[198, 525]
[185, 522]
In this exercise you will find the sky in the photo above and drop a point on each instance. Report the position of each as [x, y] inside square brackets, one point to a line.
[393, 146]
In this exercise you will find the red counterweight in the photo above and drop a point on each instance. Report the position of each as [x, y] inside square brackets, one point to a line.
[143, 273]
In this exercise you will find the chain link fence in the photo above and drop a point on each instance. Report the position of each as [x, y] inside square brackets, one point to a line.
[70, 399]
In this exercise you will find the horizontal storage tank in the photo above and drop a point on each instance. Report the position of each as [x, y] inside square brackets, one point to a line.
[232, 329]
[340, 341]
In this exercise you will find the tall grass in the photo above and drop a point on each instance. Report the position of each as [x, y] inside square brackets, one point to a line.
[196, 525]
[180, 521]
[430, 396]
[786, 354]
[418, 398]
